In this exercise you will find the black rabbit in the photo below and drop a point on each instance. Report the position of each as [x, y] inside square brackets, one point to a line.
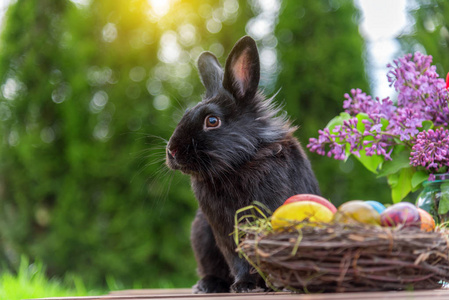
[237, 150]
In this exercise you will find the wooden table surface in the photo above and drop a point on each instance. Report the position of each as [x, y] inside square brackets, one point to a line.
[180, 294]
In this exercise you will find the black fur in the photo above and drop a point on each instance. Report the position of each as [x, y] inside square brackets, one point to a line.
[251, 156]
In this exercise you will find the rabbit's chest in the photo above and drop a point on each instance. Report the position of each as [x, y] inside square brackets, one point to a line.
[219, 202]
[218, 197]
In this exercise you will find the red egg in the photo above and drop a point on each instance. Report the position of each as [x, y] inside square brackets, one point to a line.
[313, 198]
[401, 214]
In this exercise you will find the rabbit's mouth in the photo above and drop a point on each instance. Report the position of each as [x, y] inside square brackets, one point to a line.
[174, 163]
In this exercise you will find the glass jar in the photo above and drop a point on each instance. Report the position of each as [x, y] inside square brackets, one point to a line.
[434, 198]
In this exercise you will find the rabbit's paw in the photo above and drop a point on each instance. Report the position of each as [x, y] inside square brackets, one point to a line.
[246, 287]
[211, 284]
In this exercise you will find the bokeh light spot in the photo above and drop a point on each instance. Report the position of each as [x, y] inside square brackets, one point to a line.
[11, 88]
[231, 6]
[217, 49]
[99, 76]
[81, 3]
[159, 8]
[13, 138]
[219, 15]
[154, 86]
[269, 5]
[98, 102]
[268, 58]
[137, 74]
[55, 76]
[109, 32]
[187, 34]
[213, 26]
[160, 72]
[195, 52]
[161, 102]
[47, 135]
[183, 71]
[170, 50]
[259, 27]
[60, 94]
[101, 131]
[42, 216]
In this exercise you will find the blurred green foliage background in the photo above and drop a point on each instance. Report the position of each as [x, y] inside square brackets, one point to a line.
[90, 91]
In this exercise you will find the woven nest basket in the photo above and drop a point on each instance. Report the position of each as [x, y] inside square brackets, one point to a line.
[348, 258]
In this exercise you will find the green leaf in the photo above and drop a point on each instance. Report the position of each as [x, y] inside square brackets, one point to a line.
[426, 125]
[443, 206]
[360, 117]
[370, 162]
[363, 116]
[347, 151]
[384, 123]
[402, 185]
[338, 120]
[399, 160]
[393, 179]
[418, 178]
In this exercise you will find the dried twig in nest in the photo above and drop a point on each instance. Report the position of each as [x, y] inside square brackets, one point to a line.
[341, 257]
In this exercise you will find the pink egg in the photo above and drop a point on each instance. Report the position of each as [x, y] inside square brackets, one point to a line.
[401, 214]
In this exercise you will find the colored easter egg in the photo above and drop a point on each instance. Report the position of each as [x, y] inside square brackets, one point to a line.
[313, 198]
[289, 214]
[427, 221]
[401, 214]
[357, 211]
[376, 205]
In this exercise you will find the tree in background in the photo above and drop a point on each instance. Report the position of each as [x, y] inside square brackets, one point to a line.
[88, 89]
[429, 32]
[321, 54]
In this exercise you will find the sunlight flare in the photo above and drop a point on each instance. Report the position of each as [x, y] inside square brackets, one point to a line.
[159, 7]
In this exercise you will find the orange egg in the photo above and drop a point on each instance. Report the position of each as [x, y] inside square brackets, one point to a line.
[427, 222]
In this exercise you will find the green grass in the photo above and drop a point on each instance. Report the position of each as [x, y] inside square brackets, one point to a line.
[31, 282]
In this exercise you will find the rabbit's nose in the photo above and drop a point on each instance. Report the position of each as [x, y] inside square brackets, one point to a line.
[172, 152]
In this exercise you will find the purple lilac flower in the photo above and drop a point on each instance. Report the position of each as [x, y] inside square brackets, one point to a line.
[431, 149]
[357, 102]
[436, 105]
[405, 123]
[409, 72]
[421, 96]
[337, 139]
[420, 88]
[378, 143]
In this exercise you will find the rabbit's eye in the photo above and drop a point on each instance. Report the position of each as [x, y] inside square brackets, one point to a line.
[212, 122]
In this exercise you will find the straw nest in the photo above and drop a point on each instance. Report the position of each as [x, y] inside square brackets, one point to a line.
[344, 258]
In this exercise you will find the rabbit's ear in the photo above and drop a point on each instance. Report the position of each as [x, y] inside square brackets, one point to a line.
[242, 71]
[211, 73]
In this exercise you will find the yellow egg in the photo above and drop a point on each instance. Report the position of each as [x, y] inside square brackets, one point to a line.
[286, 215]
[357, 211]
